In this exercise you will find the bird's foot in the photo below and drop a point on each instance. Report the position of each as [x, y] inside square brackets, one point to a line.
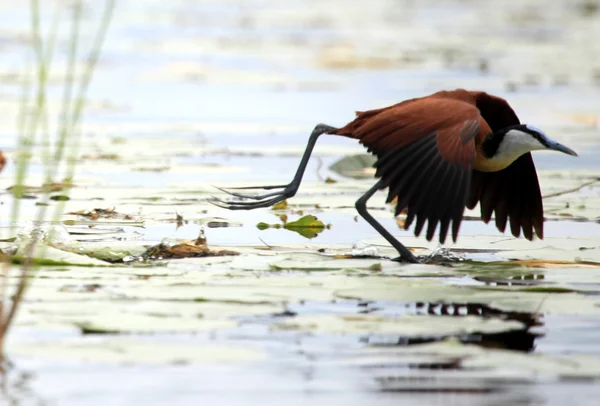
[411, 260]
[263, 200]
[254, 197]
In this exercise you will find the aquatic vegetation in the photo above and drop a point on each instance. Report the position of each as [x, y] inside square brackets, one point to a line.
[57, 149]
[195, 94]
[307, 226]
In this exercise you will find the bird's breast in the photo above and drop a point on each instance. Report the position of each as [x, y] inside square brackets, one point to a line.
[493, 164]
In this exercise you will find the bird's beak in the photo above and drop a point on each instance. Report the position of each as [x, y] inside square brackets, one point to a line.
[555, 146]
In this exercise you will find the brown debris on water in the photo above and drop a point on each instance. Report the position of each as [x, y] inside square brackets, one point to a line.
[98, 213]
[186, 249]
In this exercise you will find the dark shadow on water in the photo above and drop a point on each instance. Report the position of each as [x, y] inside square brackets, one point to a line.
[517, 340]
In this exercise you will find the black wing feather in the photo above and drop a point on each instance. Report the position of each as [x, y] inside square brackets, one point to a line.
[513, 195]
[433, 189]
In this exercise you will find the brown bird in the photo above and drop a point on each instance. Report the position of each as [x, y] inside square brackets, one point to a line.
[437, 155]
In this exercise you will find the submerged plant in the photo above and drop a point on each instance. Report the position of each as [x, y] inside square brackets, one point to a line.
[58, 148]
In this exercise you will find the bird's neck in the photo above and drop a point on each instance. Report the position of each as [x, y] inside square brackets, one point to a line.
[491, 144]
[502, 148]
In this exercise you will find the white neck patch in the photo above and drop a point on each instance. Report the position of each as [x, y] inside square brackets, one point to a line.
[515, 144]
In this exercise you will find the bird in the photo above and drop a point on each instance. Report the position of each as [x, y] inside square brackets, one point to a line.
[437, 155]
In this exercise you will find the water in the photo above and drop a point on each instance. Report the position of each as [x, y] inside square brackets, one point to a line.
[221, 93]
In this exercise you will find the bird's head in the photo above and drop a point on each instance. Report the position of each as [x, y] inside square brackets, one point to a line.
[535, 139]
[511, 142]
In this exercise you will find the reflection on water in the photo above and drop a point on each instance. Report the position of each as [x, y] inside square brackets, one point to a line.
[518, 340]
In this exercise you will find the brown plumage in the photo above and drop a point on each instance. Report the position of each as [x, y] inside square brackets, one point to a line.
[430, 162]
[437, 155]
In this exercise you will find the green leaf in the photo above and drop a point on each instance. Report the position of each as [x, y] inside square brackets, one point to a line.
[308, 226]
[280, 206]
[263, 226]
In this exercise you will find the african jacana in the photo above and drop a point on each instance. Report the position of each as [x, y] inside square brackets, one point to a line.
[439, 154]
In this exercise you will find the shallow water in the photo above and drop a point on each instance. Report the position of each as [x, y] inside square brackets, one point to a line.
[195, 94]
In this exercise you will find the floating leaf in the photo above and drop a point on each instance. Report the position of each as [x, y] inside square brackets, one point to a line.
[50, 256]
[319, 262]
[410, 325]
[355, 166]
[306, 221]
[548, 263]
[282, 205]
[217, 222]
[19, 191]
[263, 226]
[128, 350]
[308, 226]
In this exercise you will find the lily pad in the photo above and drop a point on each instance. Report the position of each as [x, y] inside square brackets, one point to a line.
[406, 326]
[50, 256]
[355, 166]
[126, 350]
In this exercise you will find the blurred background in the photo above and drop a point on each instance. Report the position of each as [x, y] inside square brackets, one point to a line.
[227, 83]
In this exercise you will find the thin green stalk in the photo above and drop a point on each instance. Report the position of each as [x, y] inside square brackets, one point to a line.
[24, 102]
[27, 139]
[71, 127]
[80, 99]
[26, 144]
[38, 113]
[21, 120]
[91, 61]
[64, 119]
[51, 41]
[53, 169]
[29, 122]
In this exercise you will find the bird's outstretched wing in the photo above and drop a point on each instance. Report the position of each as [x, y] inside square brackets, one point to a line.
[425, 149]
[512, 194]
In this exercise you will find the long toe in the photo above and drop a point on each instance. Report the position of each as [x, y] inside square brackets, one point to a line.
[252, 197]
[234, 205]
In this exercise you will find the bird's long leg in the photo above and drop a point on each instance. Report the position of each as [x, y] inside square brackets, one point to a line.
[361, 207]
[289, 190]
